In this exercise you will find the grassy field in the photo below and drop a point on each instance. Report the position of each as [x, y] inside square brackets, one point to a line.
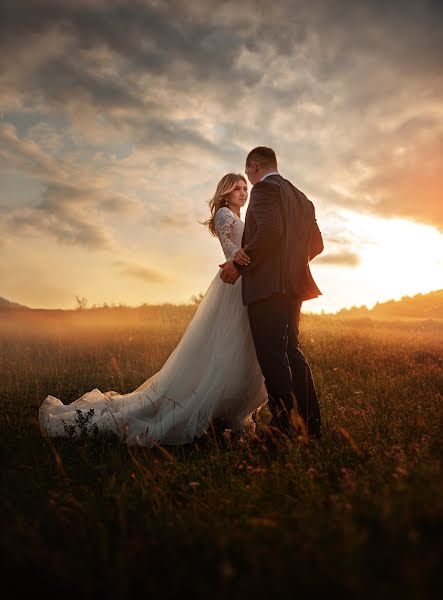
[359, 515]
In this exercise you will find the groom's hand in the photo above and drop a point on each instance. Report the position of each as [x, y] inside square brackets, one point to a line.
[229, 273]
[241, 257]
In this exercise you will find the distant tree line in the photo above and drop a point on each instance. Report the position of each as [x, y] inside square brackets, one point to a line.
[428, 306]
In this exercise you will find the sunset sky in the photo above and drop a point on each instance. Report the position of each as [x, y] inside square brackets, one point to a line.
[117, 120]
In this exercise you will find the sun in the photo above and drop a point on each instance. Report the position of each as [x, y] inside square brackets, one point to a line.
[396, 258]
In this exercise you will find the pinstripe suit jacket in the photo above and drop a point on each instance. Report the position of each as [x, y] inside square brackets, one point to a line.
[281, 235]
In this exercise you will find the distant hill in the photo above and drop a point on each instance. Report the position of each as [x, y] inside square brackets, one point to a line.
[7, 305]
[425, 306]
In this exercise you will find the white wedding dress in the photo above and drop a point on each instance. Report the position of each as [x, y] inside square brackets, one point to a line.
[213, 372]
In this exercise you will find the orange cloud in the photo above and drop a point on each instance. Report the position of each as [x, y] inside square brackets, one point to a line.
[146, 274]
[341, 259]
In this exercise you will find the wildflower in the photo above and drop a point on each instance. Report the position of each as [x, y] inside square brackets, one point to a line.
[399, 472]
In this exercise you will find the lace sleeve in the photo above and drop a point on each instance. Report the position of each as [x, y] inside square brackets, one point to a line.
[223, 222]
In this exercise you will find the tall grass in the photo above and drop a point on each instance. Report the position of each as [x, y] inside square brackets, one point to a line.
[358, 514]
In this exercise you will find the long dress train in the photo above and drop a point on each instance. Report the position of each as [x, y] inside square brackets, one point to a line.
[213, 372]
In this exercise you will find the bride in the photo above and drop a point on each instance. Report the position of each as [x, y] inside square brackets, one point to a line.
[212, 373]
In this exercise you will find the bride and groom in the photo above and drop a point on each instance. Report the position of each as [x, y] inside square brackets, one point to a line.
[241, 349]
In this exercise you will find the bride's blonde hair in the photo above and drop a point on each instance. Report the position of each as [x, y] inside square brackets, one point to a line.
[225, 186]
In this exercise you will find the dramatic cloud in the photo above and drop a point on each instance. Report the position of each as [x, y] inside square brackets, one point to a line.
[349, 94]
[64, 227]
[146, 274]
[341, 259]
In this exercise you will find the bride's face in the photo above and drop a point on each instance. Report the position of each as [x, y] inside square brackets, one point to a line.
[238, 196]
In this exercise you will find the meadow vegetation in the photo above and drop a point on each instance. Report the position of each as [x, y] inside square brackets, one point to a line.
[359, 514]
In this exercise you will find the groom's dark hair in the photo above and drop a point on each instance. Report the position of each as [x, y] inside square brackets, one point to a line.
[262, 155]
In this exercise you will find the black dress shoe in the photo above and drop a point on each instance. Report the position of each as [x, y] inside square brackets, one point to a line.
[315, 435]
[314, 430]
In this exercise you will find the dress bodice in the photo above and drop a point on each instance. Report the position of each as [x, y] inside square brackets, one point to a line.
[229, 230]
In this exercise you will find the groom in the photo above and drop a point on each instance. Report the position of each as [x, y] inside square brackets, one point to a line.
[281, 236]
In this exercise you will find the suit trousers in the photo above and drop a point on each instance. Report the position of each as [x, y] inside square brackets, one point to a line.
[275, 324]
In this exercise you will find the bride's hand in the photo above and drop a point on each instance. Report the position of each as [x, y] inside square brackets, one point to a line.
[241, 257]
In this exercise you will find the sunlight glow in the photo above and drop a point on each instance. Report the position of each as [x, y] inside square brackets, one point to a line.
[397, 258]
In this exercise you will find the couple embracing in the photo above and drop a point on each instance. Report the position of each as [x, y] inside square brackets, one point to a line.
[241, 350]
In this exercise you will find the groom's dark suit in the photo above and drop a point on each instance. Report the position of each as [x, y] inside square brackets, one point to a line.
[281, 235]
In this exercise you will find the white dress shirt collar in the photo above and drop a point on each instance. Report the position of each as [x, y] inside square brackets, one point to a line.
[268, 174]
